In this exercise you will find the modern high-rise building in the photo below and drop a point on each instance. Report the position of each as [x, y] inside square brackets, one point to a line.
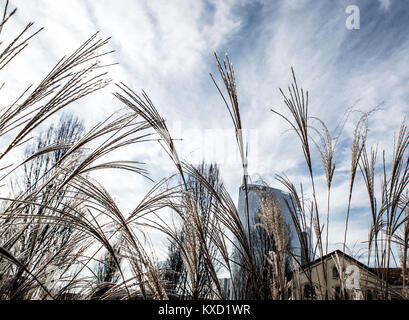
[262, 243]
[255, 195]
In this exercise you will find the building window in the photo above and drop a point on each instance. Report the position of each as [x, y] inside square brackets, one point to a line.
[369, 295]
[335, 273]
[309, 293]
[338, 295]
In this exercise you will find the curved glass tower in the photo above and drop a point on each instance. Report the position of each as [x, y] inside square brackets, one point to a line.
[261, 242]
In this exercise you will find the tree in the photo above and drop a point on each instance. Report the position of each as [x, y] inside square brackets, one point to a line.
[29, 243]
[40, 240]
[188, 278]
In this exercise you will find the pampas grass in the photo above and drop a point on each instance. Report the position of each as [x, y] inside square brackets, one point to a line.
[104, 254]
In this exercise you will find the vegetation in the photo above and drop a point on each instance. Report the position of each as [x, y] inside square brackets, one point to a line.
[63, 236]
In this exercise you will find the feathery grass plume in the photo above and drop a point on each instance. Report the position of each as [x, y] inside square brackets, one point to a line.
[226, 216]
[388, 225]
[403, 240]
[395, 187]
[19, 43]
[326, 147]
[358, 145]
[367, 166]
[53, 231]
[272, 220]
[38, 240]
[297, 103]
[196, 246]
[68, 81]
[63, 85]
[31, 223]
[143, 268]
[211, 238]
[226, 72]
[303, 223]
[144, 107]
[205, 251]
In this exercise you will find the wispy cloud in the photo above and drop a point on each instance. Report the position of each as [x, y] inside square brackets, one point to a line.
[167, 50]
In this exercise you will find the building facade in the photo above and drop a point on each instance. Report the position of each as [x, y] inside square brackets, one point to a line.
[249, 209]
[340, 276]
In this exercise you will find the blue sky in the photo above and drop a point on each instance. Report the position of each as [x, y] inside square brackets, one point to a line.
[166, 48]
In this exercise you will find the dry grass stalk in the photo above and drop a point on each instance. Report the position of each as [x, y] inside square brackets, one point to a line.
[272, 221]
[297, 102]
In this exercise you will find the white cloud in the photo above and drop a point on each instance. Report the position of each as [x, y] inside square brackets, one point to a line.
[167, 50]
